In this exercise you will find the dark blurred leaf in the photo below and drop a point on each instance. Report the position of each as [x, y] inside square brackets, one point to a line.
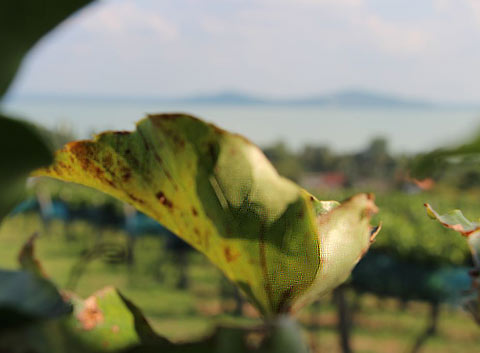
[22, 24]
[21, 150]
[26, 297]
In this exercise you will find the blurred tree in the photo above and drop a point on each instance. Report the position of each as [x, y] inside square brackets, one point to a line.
[286, 162]
[317, 158]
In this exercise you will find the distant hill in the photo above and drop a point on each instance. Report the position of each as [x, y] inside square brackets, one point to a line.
[363, 99]
[223, 98]
[341, 99]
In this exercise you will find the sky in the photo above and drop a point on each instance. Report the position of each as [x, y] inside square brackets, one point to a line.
[425, 49]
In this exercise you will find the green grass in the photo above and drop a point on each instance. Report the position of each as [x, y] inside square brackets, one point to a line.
[380, 324]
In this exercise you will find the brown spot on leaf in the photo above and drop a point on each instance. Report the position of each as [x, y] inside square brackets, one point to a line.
[111, 183]
[115, 328]
[194, 212]
[126, 174]
[163, 199]
[230, 255]
[91, 315]
[98, 172]
[134, 198]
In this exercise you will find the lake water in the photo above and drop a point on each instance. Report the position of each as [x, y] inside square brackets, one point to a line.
[408, 130]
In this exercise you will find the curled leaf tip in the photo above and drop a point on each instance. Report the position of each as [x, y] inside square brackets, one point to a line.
[374, 231]
[455, 220]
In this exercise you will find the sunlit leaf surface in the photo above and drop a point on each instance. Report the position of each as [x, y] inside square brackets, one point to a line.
[217, 191]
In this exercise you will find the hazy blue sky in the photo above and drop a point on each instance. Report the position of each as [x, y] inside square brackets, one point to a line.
[428, 49]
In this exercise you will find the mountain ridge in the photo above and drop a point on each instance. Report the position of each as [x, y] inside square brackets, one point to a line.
[340, 99]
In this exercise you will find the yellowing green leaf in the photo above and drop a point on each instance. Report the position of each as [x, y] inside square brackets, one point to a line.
[218, 192]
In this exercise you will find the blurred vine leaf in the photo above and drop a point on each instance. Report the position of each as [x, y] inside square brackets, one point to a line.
[22, 24]
[22, 150]
[471, 230]
[25, 297]
[218, 192]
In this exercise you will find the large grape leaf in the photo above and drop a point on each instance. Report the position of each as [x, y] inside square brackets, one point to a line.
[218, 192]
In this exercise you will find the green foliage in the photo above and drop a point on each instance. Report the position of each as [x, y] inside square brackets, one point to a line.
[286, 163]
[218, 192]
[372, 165]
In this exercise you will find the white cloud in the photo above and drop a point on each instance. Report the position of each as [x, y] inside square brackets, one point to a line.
[125, 19]
[398, 39]
[475, 7]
